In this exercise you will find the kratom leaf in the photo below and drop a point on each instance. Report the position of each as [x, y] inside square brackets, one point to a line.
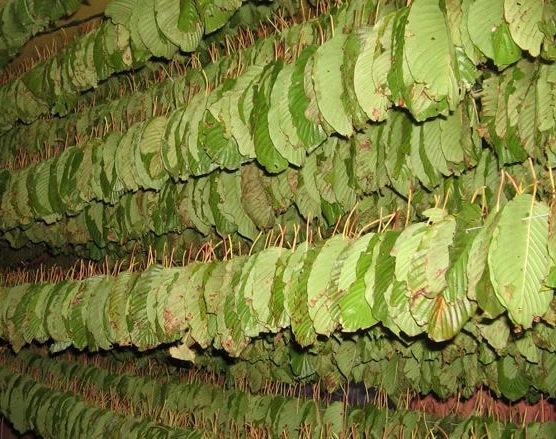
[247, 309]
[295, 277]
[120, 11]
[260, 295]
[216, 13]
[179, 21]
[141, 318]
[355, 286]
[512, 384]
[405, 248]
[182, 352]
[517, 259]
[371, 69]
[478, 254]
[148, 158]
[327, 80]
[400, 316]
[266, 152]
[523, 19]
[430, 259]
[301, 101]
[194, 303]
[95, 320]
[150, 33]
[483, 19]
[429, 53]
[504, 48]
[280, 121]
[318, 296]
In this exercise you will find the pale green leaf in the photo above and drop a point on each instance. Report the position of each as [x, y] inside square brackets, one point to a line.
[429, 52]
[149, 31]
[327, 80]
[355, 306]
[260, 295]
[280, 123]
[523, 18]
[216, 13]
[478, 253]
[517, 259]
[405, 247]
[430, 259]
[179, 21]
[319, 301]
[120, 11]
[496, 333]
[371, 70]
[483, 19]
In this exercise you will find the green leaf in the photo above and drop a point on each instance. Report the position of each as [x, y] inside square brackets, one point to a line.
[125, 167]
[295, 277]
[505, 50]
[194, 303]
[148, 157]
[477, 270]
[517, 259]
[511, 382]
[228, 326]
[182, 352]
[524, 18]
[260, 296]
[318, 296]
[216, 13]
[95, 316]
[307, 196]
[267, 154]
[483, 18]
[9, 309]
[197, 160]
[302, 105]
[248, 309]
[116, 308]
[141, 318]
[355, 285]
[327, 80]
[254, 198]
[527, 348]
[120, 11]
[149, 32]
[429, 52]
[238, 103]
[406, 246]
[179, 21]
[170, 146]
[384, 277]
[77, 313]
[278, 316]
[243, 323]
[280, 120]
[496, 333]
[219, 145]
[174, 319]
[371, 70]
[430, 260]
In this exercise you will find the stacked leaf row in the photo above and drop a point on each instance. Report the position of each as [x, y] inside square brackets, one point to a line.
[205, 135]
[430, 278]
[226, 409]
